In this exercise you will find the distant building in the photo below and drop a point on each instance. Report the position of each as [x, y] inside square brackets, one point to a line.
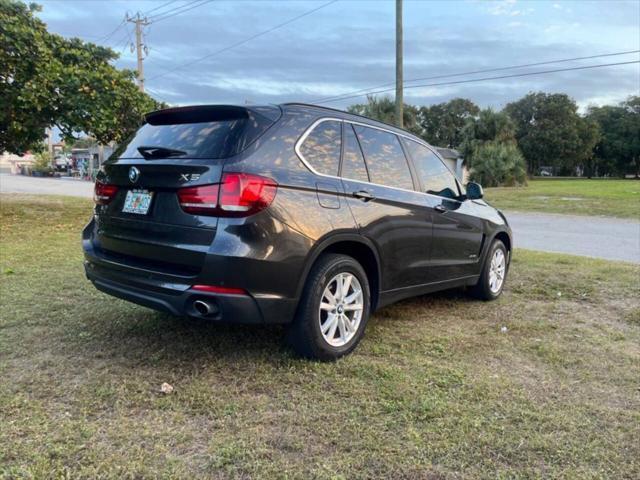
[85, 162]
[11, 163]
[454, 160]
[99, 153]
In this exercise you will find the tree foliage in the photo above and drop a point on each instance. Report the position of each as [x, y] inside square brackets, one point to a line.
[498, 164]
[550, 132]
[48, 80]
[544, 129]
[490, 150]
[442, 123]
[42, 162]
[618, 149]
[384, 110]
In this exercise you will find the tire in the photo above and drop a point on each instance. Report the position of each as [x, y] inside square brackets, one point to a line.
[317, 312]
[485, 289]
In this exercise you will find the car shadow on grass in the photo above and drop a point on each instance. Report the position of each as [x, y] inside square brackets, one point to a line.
[140, 336]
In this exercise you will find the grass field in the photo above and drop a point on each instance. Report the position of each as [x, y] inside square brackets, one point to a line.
[436, 389]
[613, 198]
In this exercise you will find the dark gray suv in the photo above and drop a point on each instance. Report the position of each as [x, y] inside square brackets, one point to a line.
[291, 214]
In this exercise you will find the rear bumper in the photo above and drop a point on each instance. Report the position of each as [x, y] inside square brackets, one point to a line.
[174, 295]
[175, 300]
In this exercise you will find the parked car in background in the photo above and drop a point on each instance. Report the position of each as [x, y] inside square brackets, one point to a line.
[61, 163]
[292, 214]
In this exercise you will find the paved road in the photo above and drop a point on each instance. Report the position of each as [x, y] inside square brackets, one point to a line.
[48, 186]
[602, 237]
[609, 238]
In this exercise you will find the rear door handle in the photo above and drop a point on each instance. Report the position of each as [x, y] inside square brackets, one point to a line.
[364, 195]
[440, 209]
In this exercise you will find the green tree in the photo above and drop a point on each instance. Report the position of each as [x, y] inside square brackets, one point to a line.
[383, 109]
[42, 163]
[442, 123]
[498, 164]
[618, 149]
[47, 80]
[589, 134]
[490, 150]
[631, 128]
[548, 131]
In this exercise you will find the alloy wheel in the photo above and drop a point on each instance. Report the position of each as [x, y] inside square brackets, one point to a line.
[497, 270]
[341, 308]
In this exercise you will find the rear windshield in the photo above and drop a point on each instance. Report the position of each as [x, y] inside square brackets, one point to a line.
[203, 132]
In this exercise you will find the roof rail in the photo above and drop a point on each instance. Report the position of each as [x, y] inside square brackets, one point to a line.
[322, 107]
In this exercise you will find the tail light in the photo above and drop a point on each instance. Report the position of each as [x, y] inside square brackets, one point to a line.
[103, 193]
[201, 200]
[238, 195]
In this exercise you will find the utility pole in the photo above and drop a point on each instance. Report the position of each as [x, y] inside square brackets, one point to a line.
[141, 49]
[399, 99]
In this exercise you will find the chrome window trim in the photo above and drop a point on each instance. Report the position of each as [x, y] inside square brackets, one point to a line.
[306, 133]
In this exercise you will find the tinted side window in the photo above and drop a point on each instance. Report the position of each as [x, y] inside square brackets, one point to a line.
[385, 159]
[434, 175]
[321, 148]
[353, 166]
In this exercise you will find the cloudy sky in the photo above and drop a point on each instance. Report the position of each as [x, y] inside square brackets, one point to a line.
[206, 54]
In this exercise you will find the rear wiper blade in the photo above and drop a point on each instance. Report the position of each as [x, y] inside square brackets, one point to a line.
[159, 152]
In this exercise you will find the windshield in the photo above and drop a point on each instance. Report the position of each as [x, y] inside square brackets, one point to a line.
[207, 132]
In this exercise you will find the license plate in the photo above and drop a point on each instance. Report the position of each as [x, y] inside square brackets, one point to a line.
[137, 201]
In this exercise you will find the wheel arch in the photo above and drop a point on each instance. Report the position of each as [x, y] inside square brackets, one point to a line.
[505, 238]
[356, 247]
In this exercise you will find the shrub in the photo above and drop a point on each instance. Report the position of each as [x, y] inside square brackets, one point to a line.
[42, 163]
[498, 164]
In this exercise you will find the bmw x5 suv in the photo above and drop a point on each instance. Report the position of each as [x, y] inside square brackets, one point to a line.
[293, 214]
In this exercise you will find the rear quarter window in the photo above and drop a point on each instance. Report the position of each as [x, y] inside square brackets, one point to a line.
[321, 147]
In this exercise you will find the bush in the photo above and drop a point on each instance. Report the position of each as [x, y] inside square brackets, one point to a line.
[498, 164]
[42, 163]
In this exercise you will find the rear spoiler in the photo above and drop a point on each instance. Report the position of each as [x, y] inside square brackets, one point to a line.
[210, 113]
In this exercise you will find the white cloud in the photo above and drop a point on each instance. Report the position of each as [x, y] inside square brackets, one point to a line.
[508, 8]
[600, 100]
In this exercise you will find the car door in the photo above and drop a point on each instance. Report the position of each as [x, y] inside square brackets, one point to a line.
[457, 232]
[380, 190]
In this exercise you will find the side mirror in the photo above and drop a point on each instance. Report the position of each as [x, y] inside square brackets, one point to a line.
[474, 191]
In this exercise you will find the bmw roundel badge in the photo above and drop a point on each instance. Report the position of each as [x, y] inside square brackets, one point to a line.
[134, 174]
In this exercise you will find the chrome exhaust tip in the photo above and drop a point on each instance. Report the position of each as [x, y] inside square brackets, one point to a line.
[204, 308]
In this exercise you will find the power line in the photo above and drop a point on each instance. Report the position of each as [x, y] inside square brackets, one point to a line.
[182, 9]
[473, 72]
[173, 9]
[159, 7]
[155, 92]
[120, 45]
[128, 41]
[109, 35]
[542, 72]
[241, 42]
